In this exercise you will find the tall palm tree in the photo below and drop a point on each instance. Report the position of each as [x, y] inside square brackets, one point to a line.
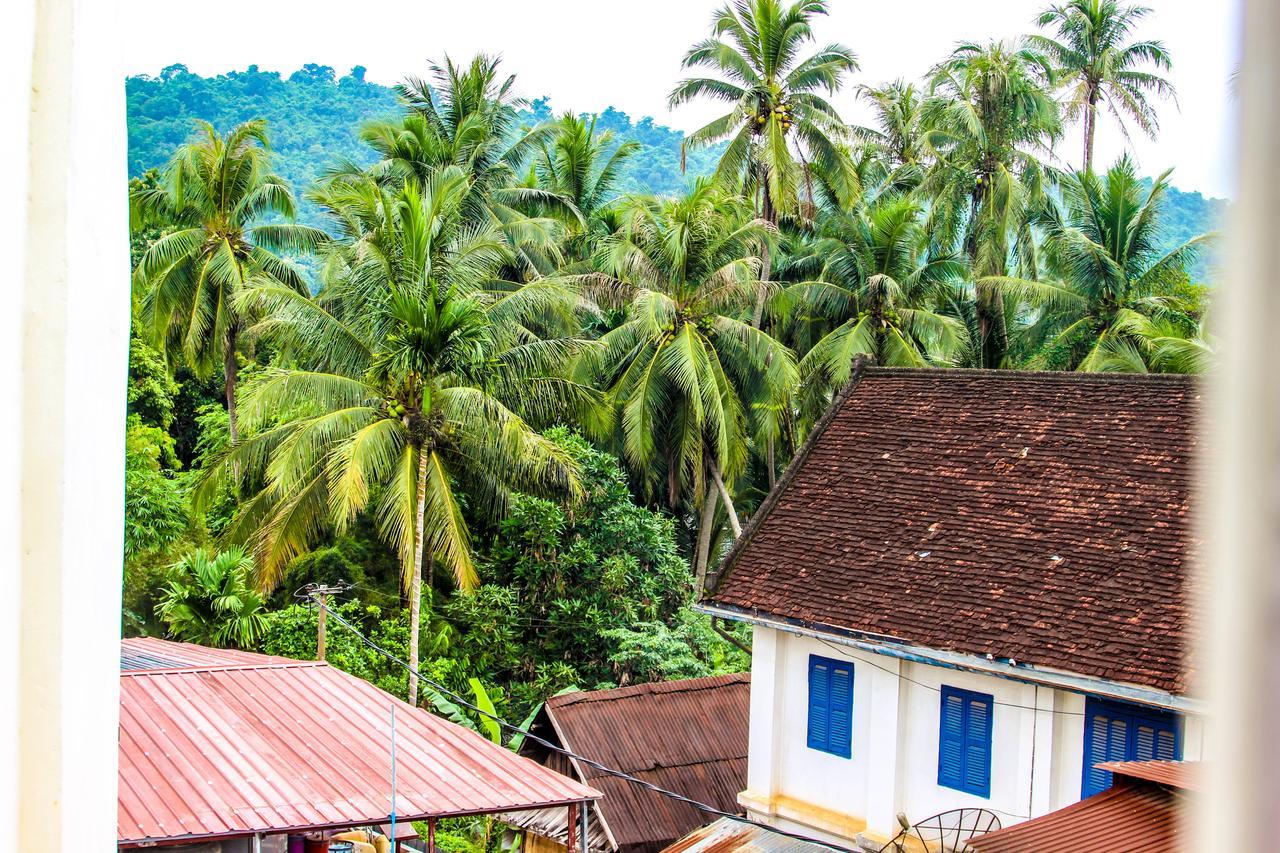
[779, 121]
[989, 116]
[209, 599]
[216, 200]
[899, 132]
[414, 387]
[469, 118]
[1096, 64]
[881, 292]
[1112, 302]
[688, 380]
[577, 165]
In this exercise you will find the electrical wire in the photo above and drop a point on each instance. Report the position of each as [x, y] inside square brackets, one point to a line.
[610, 771]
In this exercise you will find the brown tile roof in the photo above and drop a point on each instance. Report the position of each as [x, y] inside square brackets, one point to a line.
[1133, 815]
[1036, 516]
[686, 736]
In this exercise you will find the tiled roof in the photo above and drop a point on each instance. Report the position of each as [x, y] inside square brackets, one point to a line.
[1041, 517]
[687, 736]
[270, 745]
[1132, 816]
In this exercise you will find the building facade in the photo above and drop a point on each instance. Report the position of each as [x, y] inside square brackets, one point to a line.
[968, 590]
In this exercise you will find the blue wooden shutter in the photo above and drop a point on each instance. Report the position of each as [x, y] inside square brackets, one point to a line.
[819, 702]
[977, 744]
[830, 706]
[951, 740]
[964, 741]
[1117, 731]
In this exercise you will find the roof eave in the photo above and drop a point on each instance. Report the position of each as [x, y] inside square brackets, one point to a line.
[904, 650]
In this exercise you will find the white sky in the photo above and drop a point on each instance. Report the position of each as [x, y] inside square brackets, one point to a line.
[588, 54]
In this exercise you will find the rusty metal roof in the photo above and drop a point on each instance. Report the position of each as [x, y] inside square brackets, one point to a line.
[1041, 517]
[271, 744]
[1183, 775]
[686, 736]
[1135, 814]
[728, 836]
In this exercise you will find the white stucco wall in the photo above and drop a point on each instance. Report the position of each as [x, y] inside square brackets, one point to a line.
[1036, 752]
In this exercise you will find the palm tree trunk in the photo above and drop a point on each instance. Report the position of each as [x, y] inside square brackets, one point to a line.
[703, 554]
[1090, 125]
[771, 461]
[728, 501]
[415, 583]
[769, 214]
[230, 370]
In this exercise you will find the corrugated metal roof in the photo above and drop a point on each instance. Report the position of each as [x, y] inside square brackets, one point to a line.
[265, 746]
[686, 736]
[727, 836]
[1184, 775]
[1130, 817]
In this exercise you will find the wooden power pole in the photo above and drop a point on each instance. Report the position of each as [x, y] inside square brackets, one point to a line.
[322, 594]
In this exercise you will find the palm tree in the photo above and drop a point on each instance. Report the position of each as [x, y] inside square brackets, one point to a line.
[899, 132]
[217, 195]
[687, 379]
[413, 383]
[1113, 303]
[881, 293]
[1097, 65]
[779, 123]
[989, 114]
[577, 165]
[208, 600]
[470, 119]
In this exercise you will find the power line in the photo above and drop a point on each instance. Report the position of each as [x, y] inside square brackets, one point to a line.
[610, 771]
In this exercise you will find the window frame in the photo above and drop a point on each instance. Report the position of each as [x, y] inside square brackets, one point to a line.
[967, 737]
[841, 747]
[1129, 713]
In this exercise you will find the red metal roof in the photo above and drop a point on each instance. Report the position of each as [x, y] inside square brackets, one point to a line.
[1135, 814]
[143, 653]
[270, 744]
[1041, 517]
[732, 836]
[1183, 775]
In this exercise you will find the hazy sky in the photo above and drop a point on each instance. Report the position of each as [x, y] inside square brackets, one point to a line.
[588, 54]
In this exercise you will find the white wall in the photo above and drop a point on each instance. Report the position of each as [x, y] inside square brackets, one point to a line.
[62, 379]
[1036, 754]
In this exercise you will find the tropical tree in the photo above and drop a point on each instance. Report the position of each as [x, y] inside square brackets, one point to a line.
[210, 600]
[217, 200]
[989, 115]
[469, 118]
[583, 168]
[899, 131]
[1096, 64]
[688, 380]
[1112, 302]
[413, 383]
[881, 292]
[779, 122]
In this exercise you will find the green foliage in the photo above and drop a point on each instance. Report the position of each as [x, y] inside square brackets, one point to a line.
[291, 632]
[209, 600]
[156, 504]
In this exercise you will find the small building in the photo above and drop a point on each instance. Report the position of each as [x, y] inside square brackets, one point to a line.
[1146, 809]
[230, 751]
[686, 736]
[970, 589]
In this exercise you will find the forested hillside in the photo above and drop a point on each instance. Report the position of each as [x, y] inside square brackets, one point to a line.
[313, 116]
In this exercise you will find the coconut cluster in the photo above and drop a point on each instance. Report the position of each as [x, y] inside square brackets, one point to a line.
[396, 409]
[781, 112]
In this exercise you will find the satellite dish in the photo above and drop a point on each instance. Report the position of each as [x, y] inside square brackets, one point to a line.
[949, 832]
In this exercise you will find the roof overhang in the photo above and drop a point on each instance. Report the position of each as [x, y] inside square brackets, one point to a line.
[1012, 670]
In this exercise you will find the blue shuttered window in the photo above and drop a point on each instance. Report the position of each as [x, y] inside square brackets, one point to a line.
[964, 741]
[831, 706]
[1116, 731]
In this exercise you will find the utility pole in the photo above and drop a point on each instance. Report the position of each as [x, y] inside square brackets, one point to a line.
[321, 594]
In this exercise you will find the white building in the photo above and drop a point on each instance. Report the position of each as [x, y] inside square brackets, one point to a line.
[968, 589]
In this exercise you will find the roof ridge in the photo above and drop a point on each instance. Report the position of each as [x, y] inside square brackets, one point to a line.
[683, 685]
[1004, 373]
[223, 667]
